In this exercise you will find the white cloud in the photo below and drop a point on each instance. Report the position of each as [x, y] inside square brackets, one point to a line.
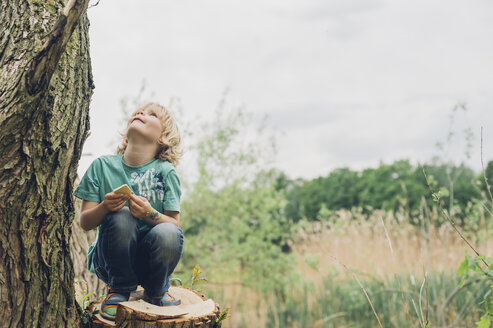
[347, 82]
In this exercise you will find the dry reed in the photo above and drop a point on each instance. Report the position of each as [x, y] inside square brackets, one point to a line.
[361, 243]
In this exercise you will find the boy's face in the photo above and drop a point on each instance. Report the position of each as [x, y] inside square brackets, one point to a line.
[145, 123]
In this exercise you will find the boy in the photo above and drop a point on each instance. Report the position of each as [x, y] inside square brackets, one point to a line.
[139, 239]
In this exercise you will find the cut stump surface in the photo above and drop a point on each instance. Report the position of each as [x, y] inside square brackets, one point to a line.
[194, 311]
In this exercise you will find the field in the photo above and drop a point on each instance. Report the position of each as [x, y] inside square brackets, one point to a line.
[390, 258]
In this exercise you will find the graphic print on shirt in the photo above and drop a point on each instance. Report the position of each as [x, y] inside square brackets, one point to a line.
[150, 185]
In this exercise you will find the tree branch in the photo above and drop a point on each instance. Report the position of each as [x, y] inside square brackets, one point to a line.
[453, 225]
[44, 63]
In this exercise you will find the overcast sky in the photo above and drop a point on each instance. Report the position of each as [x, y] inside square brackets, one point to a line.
[343, 82]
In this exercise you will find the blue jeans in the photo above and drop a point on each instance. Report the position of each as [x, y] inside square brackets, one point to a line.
[125, 257]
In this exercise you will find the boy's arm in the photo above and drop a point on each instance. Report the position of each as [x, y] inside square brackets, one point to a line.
[93, 213]
[141, 208]
[167, 216]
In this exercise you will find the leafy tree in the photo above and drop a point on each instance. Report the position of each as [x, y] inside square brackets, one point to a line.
[313, 195]
[292, 189]
[338, 190]
[388, 186]
[232, 215]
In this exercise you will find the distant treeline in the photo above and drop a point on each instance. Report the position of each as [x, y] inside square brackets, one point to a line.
[389, 187]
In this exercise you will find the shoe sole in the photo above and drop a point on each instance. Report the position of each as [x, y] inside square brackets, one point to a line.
[108, 317]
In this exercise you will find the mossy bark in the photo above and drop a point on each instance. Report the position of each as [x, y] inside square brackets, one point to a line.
[79, 244]
[44, 105]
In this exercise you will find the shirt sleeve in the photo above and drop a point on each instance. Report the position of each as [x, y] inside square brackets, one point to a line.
[88, 188]
[172, 192]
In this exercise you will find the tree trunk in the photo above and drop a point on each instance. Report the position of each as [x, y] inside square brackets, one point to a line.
[45, 89]
[79, 243]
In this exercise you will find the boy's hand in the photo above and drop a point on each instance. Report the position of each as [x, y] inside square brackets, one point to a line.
[139, 206]
[114, 202]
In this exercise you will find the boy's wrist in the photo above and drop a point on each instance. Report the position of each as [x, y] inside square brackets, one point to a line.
[152, 214]
[104, 205]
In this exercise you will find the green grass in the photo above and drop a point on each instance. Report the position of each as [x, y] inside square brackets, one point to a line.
[339, 303]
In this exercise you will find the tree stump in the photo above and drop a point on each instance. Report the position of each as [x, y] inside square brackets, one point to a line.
[195, 310]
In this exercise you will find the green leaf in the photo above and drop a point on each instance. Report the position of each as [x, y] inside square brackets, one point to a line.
[473, 263]
[444, 192]
[195, 271]
[88, 295]
[478, 269]
[196, 281]
[485, 321]
[489, 307]
[463, 268]
[222, 316]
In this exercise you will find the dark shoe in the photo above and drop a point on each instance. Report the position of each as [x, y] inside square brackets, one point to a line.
[166, 300]
[108, 307]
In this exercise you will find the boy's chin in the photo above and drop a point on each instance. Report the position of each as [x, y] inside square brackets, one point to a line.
[138, 137]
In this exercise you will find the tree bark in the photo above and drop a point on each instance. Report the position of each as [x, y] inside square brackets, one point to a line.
[79, 243]
[45, 89]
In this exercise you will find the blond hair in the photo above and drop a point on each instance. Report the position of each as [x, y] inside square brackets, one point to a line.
[170, 140]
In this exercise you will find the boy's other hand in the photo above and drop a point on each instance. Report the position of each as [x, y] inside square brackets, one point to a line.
[139, 206]
[114, 202]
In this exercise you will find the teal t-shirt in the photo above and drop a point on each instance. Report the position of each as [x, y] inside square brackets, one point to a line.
[155, 180]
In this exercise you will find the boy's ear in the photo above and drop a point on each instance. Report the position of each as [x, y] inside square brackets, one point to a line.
[162, 143]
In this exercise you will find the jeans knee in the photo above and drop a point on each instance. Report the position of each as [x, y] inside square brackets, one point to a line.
[120, 224]
[167, 237]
